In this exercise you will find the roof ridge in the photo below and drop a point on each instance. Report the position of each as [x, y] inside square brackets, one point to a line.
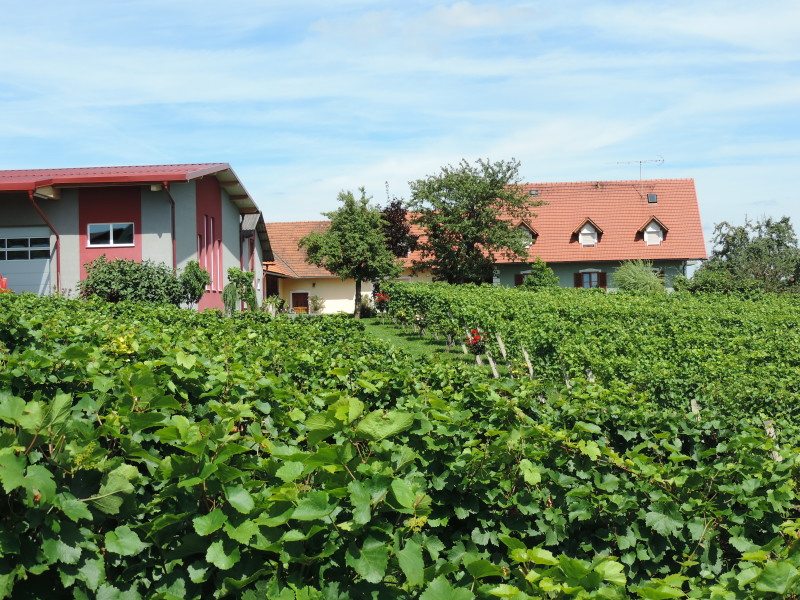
[610, 181]
[140, 166]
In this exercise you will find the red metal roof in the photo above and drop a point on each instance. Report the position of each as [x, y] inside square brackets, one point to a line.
[22, 180]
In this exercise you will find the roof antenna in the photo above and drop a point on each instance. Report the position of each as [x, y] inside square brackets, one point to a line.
[653, 161]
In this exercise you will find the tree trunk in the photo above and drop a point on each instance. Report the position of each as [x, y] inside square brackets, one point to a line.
[357, 309]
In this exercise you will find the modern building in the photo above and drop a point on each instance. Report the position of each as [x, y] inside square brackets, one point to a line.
[55, 221]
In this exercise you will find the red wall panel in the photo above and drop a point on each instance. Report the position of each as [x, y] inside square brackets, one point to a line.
[109, 205]
[209, 239]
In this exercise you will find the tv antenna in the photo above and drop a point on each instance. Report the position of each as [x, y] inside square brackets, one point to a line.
[646, 161]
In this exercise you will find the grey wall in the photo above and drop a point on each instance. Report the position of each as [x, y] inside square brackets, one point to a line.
[16, 211]
[231, 256]
[185, 221]
[156, 227]
[566, 271]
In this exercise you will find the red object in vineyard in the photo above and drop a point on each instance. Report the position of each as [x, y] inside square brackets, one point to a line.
[475, 342]
[3, 283]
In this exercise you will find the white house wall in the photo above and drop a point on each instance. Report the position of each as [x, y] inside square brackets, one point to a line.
[339, 296]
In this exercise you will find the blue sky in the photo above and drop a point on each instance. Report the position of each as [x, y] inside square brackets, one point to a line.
[307, 98]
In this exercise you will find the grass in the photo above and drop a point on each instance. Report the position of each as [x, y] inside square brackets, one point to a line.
[416, 345]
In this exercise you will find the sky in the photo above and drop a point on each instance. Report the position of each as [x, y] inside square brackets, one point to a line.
[305, 99]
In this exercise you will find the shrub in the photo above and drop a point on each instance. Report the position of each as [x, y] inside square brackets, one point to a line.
[239, 289]
[638, 276]
[316, 304]
[715, 277]
[274, 304]
[367, 306]
[194, 280]
[540, 277]
[119, 279]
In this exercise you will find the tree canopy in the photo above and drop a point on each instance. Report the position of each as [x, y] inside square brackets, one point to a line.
[761, 254]
[397, 228]
[354, 246]
[469, 213]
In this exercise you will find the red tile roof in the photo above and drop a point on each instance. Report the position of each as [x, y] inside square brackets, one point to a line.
[617, 208]
[23, 180]
[290, 260]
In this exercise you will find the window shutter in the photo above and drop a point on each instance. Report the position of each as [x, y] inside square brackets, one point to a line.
[578, 279]
[601, 280]
[518, 279]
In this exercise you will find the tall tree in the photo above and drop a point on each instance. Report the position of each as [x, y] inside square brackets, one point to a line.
[468, 214]
[354, 246]
[397, 228]
[759, 254]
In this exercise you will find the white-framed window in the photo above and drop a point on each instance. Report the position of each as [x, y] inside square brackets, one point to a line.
[587, 236]
[653, 234]
[109, 235]
[24, 248]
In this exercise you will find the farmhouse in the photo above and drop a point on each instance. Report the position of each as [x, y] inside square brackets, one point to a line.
[54, 221]
[583, 230]
[290, 275]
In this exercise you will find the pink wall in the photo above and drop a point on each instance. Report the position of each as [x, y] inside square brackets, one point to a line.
[209, 239]
[109, 205]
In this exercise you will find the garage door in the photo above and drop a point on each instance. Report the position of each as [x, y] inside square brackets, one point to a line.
[25, 254]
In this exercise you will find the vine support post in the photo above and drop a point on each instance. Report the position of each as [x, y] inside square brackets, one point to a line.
[527, 362]
[479, 360]
[501, 345]
[769, 428]
[495, 374]
[695, 407]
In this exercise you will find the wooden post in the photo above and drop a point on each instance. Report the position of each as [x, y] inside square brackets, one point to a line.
[589, 376]
[464, 348]
[501, 345]
[528, 362]
[495, 374]
[769, 428]
[695, 409]
[479, 360]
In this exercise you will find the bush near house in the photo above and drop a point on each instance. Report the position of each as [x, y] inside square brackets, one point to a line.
[154, 452]
[145, 281]
[541, 276]
[638, 276]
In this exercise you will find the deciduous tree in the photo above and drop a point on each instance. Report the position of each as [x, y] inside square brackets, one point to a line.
[468, 213]
[354, 246]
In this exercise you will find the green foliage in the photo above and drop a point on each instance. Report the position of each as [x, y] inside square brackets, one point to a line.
[120, 279]
[638, 276]
[723, 350]
[194, 280]
[762, 255]
[145, 281]
[239, 289]
[153, 452]
[354, 246]
[275, 304]
[397, 229]
[541, 276]
[316, 304]
[468, 213]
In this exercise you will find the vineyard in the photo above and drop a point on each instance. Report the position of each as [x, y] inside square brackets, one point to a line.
[153, 452]
[721, 351]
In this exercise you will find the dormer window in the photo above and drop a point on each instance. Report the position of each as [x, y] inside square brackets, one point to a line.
[527, 233]
[587, 236]
[588, 233]
[653, 232]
